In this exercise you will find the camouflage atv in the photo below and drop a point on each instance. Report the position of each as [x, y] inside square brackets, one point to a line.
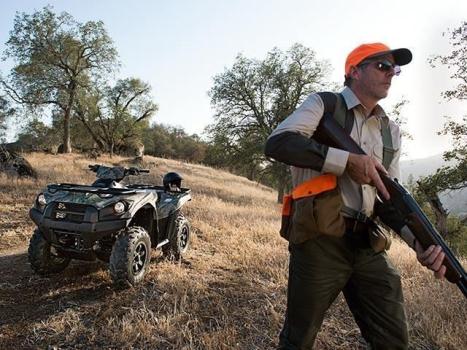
[110, 221]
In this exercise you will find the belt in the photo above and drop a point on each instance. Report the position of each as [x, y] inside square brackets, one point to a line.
[355, 226]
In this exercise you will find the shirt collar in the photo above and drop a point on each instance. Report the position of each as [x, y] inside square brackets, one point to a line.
[352, 101]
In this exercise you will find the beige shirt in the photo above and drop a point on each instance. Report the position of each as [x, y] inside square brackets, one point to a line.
[366, 132]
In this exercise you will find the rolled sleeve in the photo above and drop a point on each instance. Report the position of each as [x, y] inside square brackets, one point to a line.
[336, 161]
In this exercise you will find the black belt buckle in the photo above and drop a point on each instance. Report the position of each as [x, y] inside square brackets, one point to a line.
[356, 226]
[360, 217]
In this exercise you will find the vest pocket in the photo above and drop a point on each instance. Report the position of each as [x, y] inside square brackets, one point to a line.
[316, 215]
[313, 208]
[327, 213]
[303, 221]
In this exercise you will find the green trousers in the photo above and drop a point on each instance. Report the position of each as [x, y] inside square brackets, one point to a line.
[323, 267]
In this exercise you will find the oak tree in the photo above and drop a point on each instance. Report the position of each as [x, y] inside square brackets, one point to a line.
[251, 98]
[54, 58]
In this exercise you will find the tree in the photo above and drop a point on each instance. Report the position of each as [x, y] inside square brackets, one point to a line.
[396, 115]
[457, 61]
[173, 142]
[116, 116]
[251, 98]
[452, 177]
[56, 56]
[38, 136]
[6, 111]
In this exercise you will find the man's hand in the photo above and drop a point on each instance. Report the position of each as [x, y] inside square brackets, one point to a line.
[364, 170]
[432, 258]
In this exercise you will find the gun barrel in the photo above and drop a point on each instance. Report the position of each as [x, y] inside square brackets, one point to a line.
[462, 284]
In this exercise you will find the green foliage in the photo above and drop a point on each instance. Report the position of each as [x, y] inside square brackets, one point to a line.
[81, 139]
[115, 117]
[172, 142]
[445, 178]
[458, 132]
[251, 98]
[455, 176]
[6, 111]
[38, 136]
[457, 235]
[452, 177]
[456, 61]
[55, 57]
[396, 115]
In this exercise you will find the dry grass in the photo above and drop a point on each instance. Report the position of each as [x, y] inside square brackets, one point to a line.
[228, 293]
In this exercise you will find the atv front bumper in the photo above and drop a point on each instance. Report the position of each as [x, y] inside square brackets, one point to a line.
[86, 233]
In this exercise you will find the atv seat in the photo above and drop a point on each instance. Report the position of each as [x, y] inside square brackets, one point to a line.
[107, 183]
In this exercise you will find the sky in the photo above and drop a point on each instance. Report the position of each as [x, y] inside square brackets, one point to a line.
[179, 46]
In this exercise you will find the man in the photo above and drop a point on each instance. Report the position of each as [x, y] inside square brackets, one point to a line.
[323, 264]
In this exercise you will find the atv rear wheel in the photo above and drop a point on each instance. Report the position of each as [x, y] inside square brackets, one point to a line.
[130, 256]
[43, 257]
[179, 239]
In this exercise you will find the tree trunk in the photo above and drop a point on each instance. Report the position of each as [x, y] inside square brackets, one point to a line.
[441, 216]
[280, 193]
[66, 118]
[111, 150]
[283, 185]
[98, 143]
[252, 172]
[66, 132]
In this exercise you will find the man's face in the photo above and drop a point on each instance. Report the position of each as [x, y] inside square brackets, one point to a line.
[375, 76]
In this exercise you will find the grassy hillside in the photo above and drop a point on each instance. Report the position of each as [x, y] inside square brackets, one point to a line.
[228, 293]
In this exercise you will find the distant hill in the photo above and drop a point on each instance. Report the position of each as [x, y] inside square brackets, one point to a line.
[454, 201]
[420, 167]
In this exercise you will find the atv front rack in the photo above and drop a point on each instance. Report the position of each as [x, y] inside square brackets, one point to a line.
[89, 189]
[157, 188]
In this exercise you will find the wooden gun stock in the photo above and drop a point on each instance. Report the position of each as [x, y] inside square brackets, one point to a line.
[330, 133]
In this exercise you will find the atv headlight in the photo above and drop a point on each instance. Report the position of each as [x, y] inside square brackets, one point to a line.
[41, 200]
[119, 207]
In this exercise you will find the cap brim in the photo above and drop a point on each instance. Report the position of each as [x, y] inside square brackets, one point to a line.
[401, 56]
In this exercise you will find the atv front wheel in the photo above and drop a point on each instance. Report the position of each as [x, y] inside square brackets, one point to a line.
[43, 257]
[130, 256]
[179, 239]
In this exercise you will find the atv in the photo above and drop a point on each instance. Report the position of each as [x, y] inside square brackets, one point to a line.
[109, 221]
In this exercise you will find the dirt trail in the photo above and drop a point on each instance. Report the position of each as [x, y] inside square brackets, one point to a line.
[27, 299]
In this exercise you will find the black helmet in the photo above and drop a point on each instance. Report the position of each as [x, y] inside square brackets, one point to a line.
[172, 179]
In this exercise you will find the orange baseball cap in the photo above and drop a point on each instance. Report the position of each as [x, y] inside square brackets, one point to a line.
[364, 51]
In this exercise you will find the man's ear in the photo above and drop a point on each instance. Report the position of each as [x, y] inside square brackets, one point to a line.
[354, 73]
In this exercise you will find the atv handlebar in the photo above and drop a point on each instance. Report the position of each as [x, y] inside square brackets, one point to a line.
[127, 171]
[136, 171]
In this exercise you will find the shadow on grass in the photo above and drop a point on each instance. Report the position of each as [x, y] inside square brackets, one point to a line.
[27, 297]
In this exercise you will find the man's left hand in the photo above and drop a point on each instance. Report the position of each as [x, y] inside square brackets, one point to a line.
[432, 258]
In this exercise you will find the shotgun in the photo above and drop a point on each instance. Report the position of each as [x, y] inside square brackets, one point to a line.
[330, 133]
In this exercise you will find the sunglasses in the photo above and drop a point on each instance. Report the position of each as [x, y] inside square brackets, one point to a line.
[384, 66]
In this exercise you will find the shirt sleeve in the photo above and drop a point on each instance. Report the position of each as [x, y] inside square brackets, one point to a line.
[304, 121]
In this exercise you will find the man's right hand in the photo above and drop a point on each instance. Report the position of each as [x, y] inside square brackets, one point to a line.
[364, 170]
